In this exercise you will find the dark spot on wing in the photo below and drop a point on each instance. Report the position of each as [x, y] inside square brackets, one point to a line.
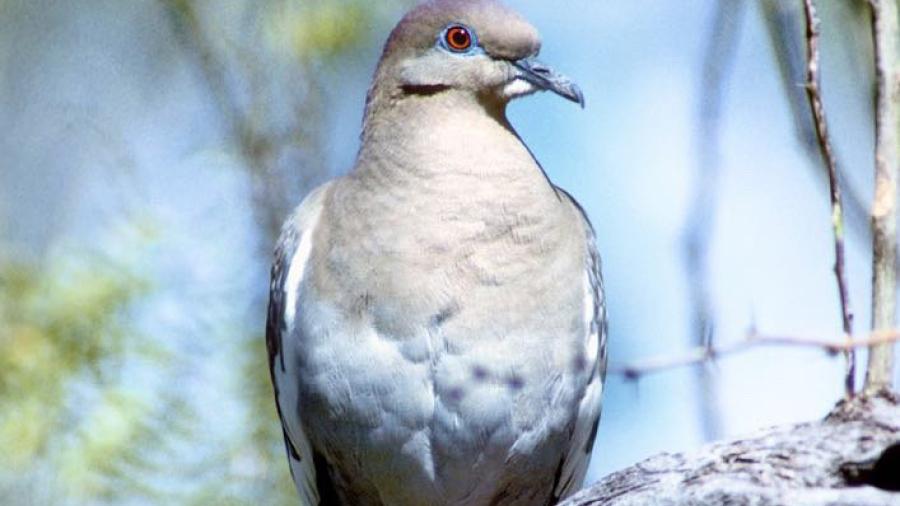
[556, 479]
[579, 363]
[516, 382]
[325, 482]
[291, 451]
[501, 497]
[443, 315]
[456, 394]
[589, 447]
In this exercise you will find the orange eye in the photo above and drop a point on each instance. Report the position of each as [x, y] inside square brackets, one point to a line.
[458, 38]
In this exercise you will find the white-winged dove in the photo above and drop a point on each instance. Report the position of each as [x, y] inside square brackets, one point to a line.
[436, 326]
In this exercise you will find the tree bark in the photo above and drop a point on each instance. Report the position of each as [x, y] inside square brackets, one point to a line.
[819, 463]
[879, 374]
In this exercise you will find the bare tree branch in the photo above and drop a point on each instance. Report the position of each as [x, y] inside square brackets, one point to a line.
[706, 354]
[698, 226]
[245, 105]
[813, 84]
[847, 458]
[884, 206]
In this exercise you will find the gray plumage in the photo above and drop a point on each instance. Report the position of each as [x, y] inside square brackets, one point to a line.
[436, 326]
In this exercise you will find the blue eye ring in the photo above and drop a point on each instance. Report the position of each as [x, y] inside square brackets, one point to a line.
[458, 38]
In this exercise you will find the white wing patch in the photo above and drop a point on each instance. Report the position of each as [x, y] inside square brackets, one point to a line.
[295, 275]
[294, 249]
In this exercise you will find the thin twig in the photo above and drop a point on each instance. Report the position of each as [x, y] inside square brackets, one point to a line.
[702, 355]
[784, 22]
[813, 84]
[884, 206]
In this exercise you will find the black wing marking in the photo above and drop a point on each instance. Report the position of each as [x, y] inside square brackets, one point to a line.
[296, 230]
[275, 323]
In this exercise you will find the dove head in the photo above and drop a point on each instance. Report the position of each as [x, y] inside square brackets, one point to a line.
[480, 49]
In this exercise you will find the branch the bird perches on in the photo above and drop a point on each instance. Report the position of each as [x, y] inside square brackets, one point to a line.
[847, 458]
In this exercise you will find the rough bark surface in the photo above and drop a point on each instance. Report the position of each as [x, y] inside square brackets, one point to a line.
[800, 465]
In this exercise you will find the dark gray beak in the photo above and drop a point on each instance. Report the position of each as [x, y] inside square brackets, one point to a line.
[545, 78]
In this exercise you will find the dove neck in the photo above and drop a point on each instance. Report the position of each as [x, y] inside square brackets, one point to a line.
[447, 134]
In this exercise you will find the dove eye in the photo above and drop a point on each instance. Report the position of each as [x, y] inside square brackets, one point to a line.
[458, 38]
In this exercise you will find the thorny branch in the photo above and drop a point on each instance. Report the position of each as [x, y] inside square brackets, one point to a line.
[884, 206]
[813, 82]
[705, 354]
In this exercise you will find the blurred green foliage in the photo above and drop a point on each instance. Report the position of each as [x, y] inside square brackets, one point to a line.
[64, 323]
[319, 30]
[94, 410]
[99, 406]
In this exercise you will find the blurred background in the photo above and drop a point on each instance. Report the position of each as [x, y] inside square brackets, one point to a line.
[151, 148]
